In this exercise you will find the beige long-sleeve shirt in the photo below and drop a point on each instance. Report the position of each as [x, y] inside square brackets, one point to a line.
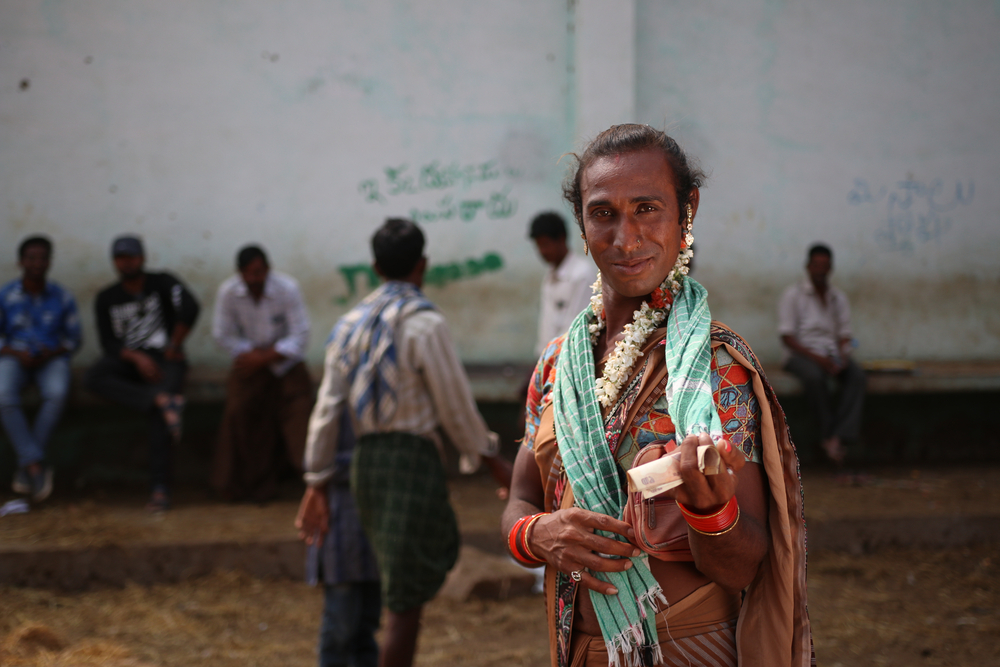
[433, 395]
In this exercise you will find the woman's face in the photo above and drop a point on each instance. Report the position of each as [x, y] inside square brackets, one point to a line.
[632, 220]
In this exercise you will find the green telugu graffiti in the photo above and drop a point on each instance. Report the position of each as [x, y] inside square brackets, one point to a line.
[498, 205]
[363, 277]
[402, 180]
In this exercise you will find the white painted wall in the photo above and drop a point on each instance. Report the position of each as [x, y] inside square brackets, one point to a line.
[871, 126]
[604, 64]
[205, 125]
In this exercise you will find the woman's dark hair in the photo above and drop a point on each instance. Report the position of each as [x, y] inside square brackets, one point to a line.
[632, 138]
[248, 254]
[397, 245]
[34, 241]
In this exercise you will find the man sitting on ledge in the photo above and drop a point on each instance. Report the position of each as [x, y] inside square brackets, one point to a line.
[814, 322]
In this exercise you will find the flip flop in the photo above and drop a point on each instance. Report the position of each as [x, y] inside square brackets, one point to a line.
[159, 501]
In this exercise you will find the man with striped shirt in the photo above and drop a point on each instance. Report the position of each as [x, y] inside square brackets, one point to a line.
[392, 362]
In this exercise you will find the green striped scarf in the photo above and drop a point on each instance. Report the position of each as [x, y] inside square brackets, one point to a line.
[628, 619]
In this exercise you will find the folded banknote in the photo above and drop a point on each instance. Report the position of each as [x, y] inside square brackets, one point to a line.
[663, 474]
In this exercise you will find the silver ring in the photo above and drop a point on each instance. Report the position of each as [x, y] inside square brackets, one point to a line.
[576, 575]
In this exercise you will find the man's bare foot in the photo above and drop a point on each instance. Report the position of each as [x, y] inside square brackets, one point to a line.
[834, 450]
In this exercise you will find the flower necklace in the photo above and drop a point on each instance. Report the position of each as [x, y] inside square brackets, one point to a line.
[644, 322]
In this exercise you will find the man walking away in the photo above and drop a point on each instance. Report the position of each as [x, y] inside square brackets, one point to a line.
[392, 361]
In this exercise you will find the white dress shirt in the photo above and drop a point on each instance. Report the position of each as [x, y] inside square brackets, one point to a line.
[566, 290]
[432, 393]
[816, 326]
[241, 324]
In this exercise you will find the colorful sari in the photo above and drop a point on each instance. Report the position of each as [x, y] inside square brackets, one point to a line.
[773, 626]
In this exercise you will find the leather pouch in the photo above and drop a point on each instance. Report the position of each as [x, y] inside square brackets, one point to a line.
[660, 528]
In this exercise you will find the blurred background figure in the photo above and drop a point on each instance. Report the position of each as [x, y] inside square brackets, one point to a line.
[39, 330]
[566, 288]
[342, 558]
[391, 362]
[814, 322]
[261, 321]
[143, 320]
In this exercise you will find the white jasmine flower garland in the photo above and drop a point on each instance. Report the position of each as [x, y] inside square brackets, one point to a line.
[644, 322]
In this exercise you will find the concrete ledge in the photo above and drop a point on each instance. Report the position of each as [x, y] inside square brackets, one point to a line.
[484, 570]
[479, 574]
[76, 569]
[502, 382]
[865, 536]
[918, 377]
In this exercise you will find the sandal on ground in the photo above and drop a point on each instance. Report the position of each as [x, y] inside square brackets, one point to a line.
[159, 501]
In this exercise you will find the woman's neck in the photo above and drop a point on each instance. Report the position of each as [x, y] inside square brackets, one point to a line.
[618, 310]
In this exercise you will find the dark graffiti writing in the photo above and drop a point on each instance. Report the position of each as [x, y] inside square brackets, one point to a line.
[915, 212]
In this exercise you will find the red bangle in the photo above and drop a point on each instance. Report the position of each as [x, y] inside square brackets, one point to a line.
[517, 542]
[713, 524]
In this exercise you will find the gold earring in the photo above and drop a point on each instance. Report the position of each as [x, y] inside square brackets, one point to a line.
[586, 247]
[690, 216]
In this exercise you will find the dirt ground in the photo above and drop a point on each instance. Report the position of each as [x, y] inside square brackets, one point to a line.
[892, 607]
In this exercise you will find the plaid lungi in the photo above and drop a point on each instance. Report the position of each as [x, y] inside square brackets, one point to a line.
[401, 492]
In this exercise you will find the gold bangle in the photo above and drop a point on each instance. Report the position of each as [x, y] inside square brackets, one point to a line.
[527, 529]
[721, 532]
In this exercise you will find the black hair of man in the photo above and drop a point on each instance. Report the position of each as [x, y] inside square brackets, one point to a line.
[819, 249]
[633, 138]
[549, 224]
[397, 245]
[34, 241]
[248, 254]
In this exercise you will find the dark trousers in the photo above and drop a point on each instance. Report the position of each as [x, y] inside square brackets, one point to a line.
[351, 613]
[120, 382]
[844, 419]
[262, 411]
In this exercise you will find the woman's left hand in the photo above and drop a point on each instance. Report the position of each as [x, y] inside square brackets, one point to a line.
[703, 493]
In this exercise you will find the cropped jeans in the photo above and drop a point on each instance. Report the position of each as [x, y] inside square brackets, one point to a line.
[119, 381]
[52, 380]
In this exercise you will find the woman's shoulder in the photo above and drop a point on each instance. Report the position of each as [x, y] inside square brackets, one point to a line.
[546, 367]
[723, 334]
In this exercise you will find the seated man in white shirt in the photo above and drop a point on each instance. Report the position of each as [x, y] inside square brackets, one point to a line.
[814, 322]
[261, 320]
[566, 289]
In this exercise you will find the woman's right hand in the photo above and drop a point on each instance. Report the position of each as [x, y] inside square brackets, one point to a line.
[568, 541]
